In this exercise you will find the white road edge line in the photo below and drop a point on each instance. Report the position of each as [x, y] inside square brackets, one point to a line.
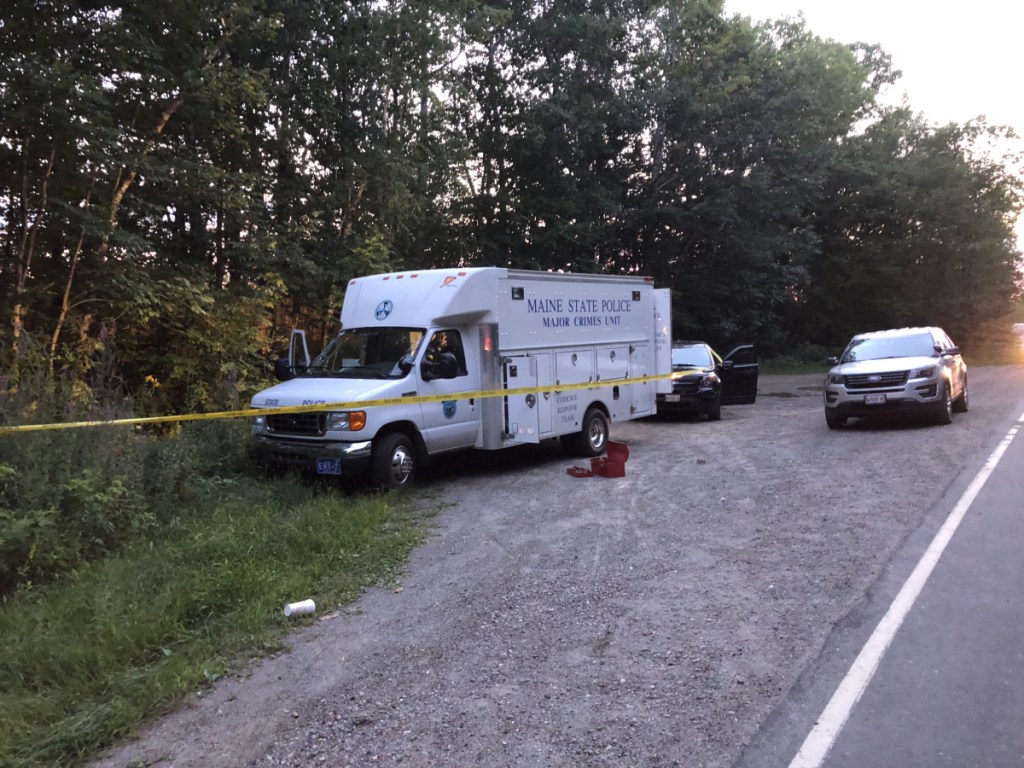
[832, 719]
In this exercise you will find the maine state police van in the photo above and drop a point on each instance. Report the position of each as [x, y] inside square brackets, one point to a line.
[442, 360]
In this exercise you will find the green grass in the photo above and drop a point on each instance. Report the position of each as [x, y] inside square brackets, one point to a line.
[787, 366]
[86, 660]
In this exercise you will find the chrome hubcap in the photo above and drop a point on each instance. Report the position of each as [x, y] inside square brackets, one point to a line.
[401, 466]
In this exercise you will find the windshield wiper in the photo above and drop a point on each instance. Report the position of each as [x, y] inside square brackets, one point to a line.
[362, 368]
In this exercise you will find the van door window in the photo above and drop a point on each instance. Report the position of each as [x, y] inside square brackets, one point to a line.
[445, 357]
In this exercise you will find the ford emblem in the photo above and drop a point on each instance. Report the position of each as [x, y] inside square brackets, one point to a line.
[874, 379]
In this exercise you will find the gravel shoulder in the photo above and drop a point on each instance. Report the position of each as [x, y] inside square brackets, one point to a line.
[652, 620]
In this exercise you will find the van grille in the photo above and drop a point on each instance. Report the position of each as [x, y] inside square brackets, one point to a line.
[309, 424]
[877, 380]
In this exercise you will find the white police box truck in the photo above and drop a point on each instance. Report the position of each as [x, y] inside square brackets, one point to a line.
[481, 358]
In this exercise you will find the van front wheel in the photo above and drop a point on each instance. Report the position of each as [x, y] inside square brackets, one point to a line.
[392, 462]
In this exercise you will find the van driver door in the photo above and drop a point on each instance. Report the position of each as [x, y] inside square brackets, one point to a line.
[450, 421]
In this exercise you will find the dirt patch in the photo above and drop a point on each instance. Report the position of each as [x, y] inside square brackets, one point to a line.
[651, 620]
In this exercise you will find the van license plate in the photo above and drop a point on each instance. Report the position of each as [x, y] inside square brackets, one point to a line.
[328, 467]
[874, 399]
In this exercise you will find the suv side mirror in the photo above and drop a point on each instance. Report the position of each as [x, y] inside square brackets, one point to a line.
[832, 360]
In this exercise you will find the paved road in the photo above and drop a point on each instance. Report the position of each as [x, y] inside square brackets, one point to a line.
[946, 686]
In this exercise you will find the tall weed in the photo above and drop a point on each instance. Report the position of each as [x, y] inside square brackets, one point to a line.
[73, 495]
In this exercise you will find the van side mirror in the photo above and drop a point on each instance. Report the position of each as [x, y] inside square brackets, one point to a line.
[283, 371]
[444, 367]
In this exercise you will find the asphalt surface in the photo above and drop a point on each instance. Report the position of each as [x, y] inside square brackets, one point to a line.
[948, 689]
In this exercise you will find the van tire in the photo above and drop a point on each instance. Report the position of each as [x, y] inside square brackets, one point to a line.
[392, 462]
[592, 439]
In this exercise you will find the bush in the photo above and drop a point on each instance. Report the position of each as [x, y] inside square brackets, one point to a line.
[66, 497]
[73, 495]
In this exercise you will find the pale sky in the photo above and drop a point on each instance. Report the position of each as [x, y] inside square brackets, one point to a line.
[959, 60]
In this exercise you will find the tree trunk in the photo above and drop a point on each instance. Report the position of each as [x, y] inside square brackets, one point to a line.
[27, 247]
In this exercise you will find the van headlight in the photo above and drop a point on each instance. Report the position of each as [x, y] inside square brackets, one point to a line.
[260, 422]
[345, 421]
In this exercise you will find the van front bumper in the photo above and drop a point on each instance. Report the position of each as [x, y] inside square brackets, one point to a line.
[353, 458]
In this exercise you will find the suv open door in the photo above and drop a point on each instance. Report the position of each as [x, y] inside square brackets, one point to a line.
[739, 376]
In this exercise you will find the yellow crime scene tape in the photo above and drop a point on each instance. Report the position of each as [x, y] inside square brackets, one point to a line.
[339, 406]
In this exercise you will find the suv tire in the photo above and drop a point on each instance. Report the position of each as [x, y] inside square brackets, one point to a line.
[833, 419]
[944, 414]
[715, 409]
[961, 404]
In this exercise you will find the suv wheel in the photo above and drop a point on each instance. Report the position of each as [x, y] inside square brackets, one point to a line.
[945, 413]
[715, 409]
[833, 419]
[961, 404]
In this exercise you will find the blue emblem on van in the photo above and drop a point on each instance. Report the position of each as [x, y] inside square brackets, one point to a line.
[383, 309]
[449, 408]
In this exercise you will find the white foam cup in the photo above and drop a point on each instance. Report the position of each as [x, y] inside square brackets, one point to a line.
[299, 608]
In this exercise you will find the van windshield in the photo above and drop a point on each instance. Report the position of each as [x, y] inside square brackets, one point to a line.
[368, 353]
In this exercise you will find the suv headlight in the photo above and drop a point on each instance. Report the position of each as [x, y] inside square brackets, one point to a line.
[923, 373]
[835, 378]
[709, 380]
[346, 421]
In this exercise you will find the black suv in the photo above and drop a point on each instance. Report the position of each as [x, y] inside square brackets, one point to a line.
[703, 381]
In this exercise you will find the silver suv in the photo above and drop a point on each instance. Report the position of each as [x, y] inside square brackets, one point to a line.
[904, 369]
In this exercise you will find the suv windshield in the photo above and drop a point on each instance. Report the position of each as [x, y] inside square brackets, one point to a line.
[691, 357]
[367, 353]
[880, 347]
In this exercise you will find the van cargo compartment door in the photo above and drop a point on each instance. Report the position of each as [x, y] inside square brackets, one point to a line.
[527, 414]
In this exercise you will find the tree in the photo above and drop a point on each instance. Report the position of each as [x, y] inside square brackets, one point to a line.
[916, 228]
[547, 103]
[744, 123]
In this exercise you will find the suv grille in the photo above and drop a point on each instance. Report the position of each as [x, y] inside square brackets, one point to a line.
[688, 385]
[297, 423]
[876, 380]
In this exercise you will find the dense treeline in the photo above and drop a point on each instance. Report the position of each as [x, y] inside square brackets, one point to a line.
[183, 182]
